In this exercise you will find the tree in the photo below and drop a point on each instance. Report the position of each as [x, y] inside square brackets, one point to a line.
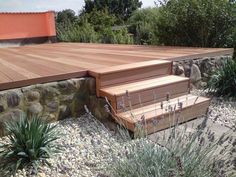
[122, 9]
[142, 25]
[100, 19]
[202, 23]
[66, 17]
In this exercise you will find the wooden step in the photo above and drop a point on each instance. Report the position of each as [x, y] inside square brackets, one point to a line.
[130, 72]
[145, 91]
[154, 118]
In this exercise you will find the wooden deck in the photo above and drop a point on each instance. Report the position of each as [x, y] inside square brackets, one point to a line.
[22, 66]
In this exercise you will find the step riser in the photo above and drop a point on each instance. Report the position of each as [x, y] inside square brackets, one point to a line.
[169, 120]
[132, 75]
[152, 95]
[146, 103]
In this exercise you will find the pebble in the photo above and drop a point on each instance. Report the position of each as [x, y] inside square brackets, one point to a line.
[221, 111]
[88, 147]
[85, 144]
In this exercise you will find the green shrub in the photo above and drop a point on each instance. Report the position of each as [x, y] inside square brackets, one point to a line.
[116, 37]
[204, 23]
[30, 142]
[76, 33]
[184, 154]
[142, 25]
[223, 80]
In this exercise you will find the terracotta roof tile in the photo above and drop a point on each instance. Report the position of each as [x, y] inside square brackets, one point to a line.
[25, 12]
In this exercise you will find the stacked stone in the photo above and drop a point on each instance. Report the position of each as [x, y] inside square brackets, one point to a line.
[198, 70]
[52, 101]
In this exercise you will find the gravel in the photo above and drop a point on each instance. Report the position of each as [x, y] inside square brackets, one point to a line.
[221, 111]
[88, 147]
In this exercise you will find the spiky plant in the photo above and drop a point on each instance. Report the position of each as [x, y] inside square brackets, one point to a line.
[223, 80]
[30, 142]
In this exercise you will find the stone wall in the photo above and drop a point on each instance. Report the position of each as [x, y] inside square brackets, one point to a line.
[58, 100]
[53, 101]
[198, 70]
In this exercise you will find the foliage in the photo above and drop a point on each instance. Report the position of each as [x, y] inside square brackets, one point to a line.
[122, 9]
[184, 154]
[30, 142]
[100, 20]
[116, 37]
[93, 27]
[196, 22]
[142, 25]
[200, 23]
[76, 33]
[223, 80]
[66, 17]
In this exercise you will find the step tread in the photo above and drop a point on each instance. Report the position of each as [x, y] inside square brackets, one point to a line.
[154, 110]
[143, 84]
[130, 66]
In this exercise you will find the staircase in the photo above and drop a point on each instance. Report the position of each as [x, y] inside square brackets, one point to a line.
[146, 93]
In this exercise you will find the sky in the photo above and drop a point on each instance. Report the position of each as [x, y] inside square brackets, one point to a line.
[44, 5]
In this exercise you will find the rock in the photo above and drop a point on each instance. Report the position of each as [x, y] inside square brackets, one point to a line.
[41, 175]
[3, 103]
[78, 82]
[51, 118]
[2, 108]
[50, 84]
[203, 84]
[13, 99]
[187, 70]
[97, 107]
[28, 88]
[17, 112]
[35, 108]
[48, 92]
[67, 86]
[66, 99]
[205, 75]
[33, 96]
[52, 106]
[206, 66]
[12, 114]
[91, 83]
[195, 74]
[179, 70]
[64, 112]
[9, 116]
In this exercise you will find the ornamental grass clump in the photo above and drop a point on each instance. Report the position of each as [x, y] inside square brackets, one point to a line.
[30, 142]
[223, 80]
[181, 154]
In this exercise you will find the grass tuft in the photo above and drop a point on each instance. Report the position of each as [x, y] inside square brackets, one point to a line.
[223, 80]
[30, 142]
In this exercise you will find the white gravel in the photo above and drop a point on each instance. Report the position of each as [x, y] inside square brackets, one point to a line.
[87, 146]
[221, 111]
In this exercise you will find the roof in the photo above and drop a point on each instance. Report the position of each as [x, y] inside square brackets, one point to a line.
[26, 12]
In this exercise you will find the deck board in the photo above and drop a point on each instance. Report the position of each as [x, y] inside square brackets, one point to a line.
[32, 64]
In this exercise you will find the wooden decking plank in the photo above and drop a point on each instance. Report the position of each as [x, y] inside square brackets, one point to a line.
[68, 61]
[44, 79]
[25, 63]
[22, 71]
[153, 110]
[141, 85]
[105, 58]
[52, 60]
[130, 66]
[4, 78]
